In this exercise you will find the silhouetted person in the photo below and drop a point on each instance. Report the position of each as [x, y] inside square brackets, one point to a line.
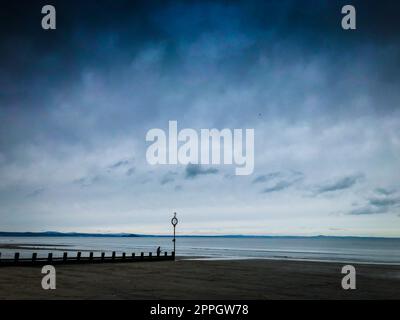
[158, 251]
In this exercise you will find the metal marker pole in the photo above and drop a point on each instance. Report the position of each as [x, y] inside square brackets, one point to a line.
[174, 222]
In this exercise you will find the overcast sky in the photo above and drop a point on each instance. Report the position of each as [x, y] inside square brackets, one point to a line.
[76, 104]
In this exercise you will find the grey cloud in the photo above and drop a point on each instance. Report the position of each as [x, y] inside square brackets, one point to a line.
[341, 184]
[145, 180]
[279, 180]
[130, 171]
[194, 170]
[229, 176]
[385, 204]
[384, 191]
[281, 185]
[367, 210]
[168, 178]
[35, 193]
[206, 64]
[119, 164]
[241, 35]
[86, 181]
[296, 173]
[266, 177]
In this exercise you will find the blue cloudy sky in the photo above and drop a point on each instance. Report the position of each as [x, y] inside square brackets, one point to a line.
[76, 104]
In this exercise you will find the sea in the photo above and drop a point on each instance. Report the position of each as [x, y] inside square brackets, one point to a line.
[329, 249]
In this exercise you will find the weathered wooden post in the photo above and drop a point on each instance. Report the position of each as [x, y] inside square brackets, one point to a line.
[16, 257]
[123, 255]
[34, 256]
[150, 255]
[50, 257]
[113, 256]
[174, 222]
[142, 255]
[133, 256]
[165, 254]
[78, 256]
[91, 256]
[65, 257]
[102, 256]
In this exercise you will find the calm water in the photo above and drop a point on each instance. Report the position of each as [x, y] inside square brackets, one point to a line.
[325, 249]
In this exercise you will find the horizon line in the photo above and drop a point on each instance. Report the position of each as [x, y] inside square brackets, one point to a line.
[126, 234]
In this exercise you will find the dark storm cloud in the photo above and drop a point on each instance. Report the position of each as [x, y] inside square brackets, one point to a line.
[106, 34]
[194, 170]
[41, 68]
[341, 184]
[77, 101]
[88, 33]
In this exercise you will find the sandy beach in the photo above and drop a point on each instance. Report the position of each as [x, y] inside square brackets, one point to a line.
[194, 279]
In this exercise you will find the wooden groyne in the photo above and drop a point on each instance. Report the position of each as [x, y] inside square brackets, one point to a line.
[78, 259]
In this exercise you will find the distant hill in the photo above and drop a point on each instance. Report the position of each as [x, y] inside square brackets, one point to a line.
[127, 235]
[64, 234]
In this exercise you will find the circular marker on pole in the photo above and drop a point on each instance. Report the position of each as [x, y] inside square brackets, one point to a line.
[174, 222]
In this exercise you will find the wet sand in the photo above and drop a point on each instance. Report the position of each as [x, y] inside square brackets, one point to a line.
[188, 279]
